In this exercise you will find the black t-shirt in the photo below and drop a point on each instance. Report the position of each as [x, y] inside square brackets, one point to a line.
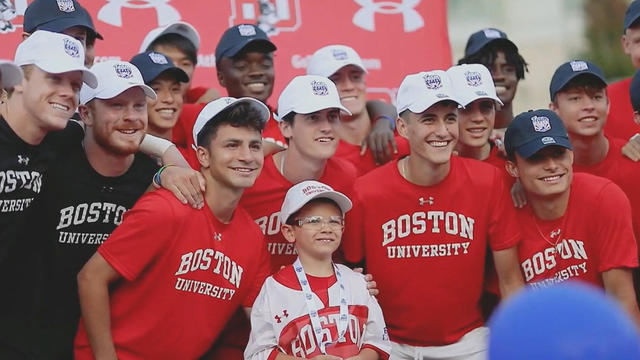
[76, 211]
[22, 167]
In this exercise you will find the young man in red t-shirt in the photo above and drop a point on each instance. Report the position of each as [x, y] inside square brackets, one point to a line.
[343, 66]
[578, 94]
[167, 280]
[575, 226]
[473, 85]
[425, 241]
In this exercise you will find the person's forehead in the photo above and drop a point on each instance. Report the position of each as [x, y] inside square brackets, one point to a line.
[169, 50]
[348, 69]
[439, 108]
[319, 203]
[165, 78]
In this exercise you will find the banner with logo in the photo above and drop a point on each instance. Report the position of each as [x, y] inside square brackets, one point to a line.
[393, 37]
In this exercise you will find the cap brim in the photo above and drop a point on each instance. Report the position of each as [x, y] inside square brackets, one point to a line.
[530, 148]
[466, 102]
[561, 85]
[88, 77]
[60, 24]
[112, 92]
[311, 109]
[233, 51]
[332, 70]
[423, 104]
[11, 74]
[343, 202]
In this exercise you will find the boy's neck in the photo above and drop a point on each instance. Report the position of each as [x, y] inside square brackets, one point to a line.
[354, 130]
[18, 120]
[550, 208]
[504, 116]
[422, 172]
[589, 150]
[480, 153]
[316, 266]
[297, 168]
[221, 199]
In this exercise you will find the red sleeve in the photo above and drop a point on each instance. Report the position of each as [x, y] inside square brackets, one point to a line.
[195, 93]
[146, 230]
[352, 238]
[615, 243]
[503, 227]
[264, 270]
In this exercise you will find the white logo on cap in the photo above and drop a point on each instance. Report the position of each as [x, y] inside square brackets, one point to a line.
[578, 65]
[123, 71]
[540, 123]
[71, 48]
[492, 33]
[246, 30]
[433, 82]
[473, 78]
[158, 58]
[66, 5]
[339, 54]
[319, 88]
[365, 17]
[228, 101]
[313, 189]
[548, 140]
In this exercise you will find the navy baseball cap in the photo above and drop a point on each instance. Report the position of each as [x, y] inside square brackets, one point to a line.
[631, 15]
[237, 37]
[569, 71]
[153, 64]
[531, 131]
[482, 38]
[56, 16]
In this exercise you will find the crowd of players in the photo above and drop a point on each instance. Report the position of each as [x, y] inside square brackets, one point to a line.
[455, 201]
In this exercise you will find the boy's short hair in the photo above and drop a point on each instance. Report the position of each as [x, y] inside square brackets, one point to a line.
[488, 54]
[586, 82]
[179, 42]
[240, 115]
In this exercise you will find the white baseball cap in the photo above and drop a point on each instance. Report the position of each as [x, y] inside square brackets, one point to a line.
[308, 93]
[213, 108]
[420, 91]
[329, 59]
[472, 82]
[54, 53]
[300, 194]
[179, 27]
[11, 73]
[114, 78]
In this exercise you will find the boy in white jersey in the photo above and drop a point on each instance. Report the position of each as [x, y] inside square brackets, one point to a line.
[342, 320]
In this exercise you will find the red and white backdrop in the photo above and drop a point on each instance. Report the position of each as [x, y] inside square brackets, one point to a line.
[394, 37]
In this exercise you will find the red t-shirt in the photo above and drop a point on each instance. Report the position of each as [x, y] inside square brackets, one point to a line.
[620, 122]
[264, 199]
[195, 93]
[185, 274]
[623, 172]
[425, 246]
[593, 236]
[365, 163]
[496, 159]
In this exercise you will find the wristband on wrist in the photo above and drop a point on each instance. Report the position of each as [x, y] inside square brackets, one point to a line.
[391, 121]
[157, 182]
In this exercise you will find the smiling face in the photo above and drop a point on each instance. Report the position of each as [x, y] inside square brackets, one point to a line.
[350, 81]
[583, 110]
[313, 135]
[476, 122]
[233, 158]
[504, 77]
[433, 133]
[311, 242]
[248, 74]
[117, 124]
[547, 173]
[165, 110]
[50, 99]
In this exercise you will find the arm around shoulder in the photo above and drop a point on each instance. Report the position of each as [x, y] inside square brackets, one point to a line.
[508, 270]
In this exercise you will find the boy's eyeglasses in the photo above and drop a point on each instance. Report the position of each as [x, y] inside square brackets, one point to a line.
[334, 223]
